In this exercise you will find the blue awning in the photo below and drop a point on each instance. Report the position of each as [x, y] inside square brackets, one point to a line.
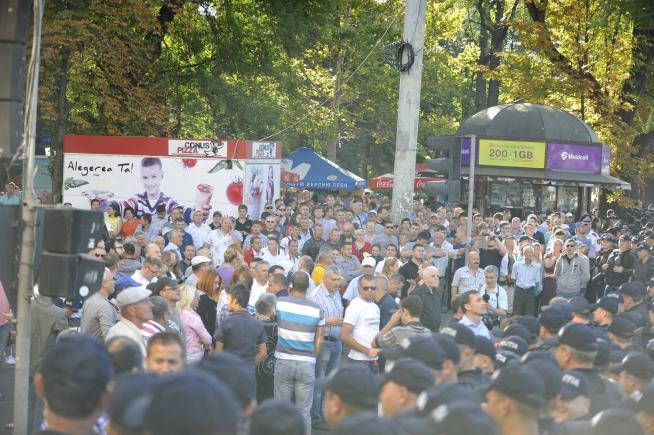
[305, 169]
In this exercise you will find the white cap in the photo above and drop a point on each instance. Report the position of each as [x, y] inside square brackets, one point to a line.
[369, 261]
[568, 214]
[132, 295]
[199, 259]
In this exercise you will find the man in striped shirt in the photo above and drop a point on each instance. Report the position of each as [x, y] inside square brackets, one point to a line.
[159, 318]
[300, 336]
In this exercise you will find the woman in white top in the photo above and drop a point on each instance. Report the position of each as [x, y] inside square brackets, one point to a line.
[497, 301]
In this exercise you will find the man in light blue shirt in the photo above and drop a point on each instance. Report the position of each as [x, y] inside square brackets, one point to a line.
[473, 308]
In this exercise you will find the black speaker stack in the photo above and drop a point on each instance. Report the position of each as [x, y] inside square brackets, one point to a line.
[66, 269]
[14, 19]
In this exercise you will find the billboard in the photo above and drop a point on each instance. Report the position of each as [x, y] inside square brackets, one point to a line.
[574, 158]
[153, 171]
[261, 187]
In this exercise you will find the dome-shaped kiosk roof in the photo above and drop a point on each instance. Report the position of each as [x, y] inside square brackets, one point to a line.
[527, 121]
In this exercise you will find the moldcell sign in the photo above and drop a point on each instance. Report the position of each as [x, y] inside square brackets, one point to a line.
[574, 158]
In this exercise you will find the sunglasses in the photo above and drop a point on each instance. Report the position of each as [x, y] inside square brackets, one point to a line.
[390, 226]
[569, 246]
[369, 287]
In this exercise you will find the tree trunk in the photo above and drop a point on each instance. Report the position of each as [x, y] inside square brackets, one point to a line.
[332, 146]
[480, 81]
[57, 147]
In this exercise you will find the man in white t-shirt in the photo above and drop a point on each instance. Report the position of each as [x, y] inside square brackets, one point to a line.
[361, 325]
[259, 284]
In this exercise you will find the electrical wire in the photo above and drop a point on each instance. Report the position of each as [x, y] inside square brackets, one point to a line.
[328, 99]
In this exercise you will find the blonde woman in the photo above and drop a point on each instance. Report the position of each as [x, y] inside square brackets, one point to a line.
[391, 267]
[196, 336]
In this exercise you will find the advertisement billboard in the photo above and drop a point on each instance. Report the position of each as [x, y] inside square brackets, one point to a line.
[145, 173]
[574, 158]
[511, 153]
[261, 187]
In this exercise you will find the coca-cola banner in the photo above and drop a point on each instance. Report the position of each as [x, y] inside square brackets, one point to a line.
[574, 158]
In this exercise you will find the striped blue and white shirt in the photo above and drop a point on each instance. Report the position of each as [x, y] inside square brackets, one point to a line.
[297, 320]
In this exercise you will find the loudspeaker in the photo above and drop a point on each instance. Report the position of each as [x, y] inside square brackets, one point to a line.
[69, 275]
[14, 19]
[9, 249]
[71, 231]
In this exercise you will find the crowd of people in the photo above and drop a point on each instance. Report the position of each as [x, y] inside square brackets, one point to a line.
[323, 314]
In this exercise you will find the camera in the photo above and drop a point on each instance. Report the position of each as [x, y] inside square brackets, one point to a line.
[486, 297]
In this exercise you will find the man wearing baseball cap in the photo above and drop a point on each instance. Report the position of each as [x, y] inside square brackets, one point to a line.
[644, 265]
[402, 384]
[349, 391]
[632, 293]
[605, 310]
[198, 264]
[514, 399]
[135, 309]
[635, 372]
[620, 332]
[573, 401]
[641, 403]
[576, 350]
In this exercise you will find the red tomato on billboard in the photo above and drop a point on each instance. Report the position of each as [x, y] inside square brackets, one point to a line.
[235, 192]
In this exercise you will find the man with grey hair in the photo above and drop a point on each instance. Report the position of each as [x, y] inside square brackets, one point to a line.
[175, 241]
[327, 297]
[526, 274]
[431, 298]
[153, 249]
[98, 314]
[305, 264]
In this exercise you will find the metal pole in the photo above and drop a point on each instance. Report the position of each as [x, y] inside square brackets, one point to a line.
[26, 267]
[408, 112]
[471, 189]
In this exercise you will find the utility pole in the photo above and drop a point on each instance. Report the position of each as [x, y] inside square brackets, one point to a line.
[26, 267]
[408, 113]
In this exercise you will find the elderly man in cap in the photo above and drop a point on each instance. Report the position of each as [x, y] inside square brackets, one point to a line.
[573, 401]
[350, 391]
[99, 314]
[635, 372]
[514, 399]
[199, 264]
[576, 350]
[135, 308]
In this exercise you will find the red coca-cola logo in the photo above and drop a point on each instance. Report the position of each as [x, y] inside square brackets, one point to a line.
[289, 177]
[384, 183]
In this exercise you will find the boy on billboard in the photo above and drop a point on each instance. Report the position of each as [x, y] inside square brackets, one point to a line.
[148, 201]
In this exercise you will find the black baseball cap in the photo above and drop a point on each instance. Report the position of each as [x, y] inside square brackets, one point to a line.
[578, 336]
[650, 282]
[504, 357]
[550, 372]
[354, 385]
[448, 344]
[519, 330]
[276, 417]
[642, 400]
[574, 384]
[643, 247]
[519, 383]
[606, 236]
[514, 344]
[531, 323]
[625, 237]
[632, 289]
[229, 369]
[461, 334]
[526, 238]
[409, 373]
[553, 318]
[609, 302]
[445, 393]
[580, 306]
[422, 348]
[615, 421]
[192, 402]
[463, 418]
[637, 364]
[484, 346]
[365, 424]
[622, 327]
[130, 399]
